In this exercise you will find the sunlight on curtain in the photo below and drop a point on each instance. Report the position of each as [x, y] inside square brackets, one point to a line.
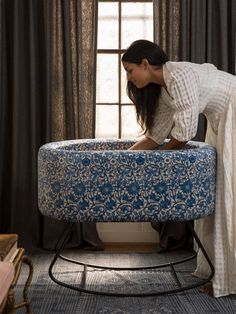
[71, 28]
[72, 32]
[166, 16]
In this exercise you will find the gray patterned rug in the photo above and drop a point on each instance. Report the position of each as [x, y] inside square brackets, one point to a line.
[47, 297]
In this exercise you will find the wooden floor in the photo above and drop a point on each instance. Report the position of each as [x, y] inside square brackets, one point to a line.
[130, 247]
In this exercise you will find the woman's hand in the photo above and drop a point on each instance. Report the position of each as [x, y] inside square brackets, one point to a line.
[148, 144]
[172, 144]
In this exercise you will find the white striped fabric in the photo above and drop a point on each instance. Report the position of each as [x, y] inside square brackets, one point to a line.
[193, 89]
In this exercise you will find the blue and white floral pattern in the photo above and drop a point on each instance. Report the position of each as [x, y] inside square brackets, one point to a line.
[100, 181]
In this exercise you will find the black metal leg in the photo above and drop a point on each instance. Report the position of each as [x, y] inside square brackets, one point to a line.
[81, 288]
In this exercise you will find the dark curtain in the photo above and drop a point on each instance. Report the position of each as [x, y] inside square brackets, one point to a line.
[208, 32]
[197, 31]
[47, 66]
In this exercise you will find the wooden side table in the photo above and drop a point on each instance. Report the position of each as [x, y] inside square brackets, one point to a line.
[11, 306]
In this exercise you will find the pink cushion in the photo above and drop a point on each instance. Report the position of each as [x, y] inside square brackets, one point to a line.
[7, 273]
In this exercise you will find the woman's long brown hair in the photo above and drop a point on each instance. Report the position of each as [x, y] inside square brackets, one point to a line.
[145, 99]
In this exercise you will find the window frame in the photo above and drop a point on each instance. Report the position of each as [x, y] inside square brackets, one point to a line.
[119, 53]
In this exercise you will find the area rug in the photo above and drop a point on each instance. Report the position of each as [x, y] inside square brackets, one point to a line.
[48, 297]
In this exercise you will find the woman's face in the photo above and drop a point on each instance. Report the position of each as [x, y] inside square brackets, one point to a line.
[137, 74]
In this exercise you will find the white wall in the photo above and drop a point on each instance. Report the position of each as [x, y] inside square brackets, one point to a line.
[127, 232]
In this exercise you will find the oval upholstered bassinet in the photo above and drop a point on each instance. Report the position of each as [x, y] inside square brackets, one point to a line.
[102, 181]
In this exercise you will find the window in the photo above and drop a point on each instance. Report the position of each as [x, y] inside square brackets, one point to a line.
[119, 23]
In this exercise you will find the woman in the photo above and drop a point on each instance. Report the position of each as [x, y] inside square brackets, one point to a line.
[168, 97]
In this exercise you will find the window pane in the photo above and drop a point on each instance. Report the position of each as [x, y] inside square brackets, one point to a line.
[129, 126]
[107, 78]
[107, 121]
[124, 98]
[108, 26]
[137, 22]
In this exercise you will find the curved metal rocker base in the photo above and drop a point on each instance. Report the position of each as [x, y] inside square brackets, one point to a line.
[180, 288]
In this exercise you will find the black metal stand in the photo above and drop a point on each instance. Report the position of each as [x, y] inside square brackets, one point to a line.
[63, 239]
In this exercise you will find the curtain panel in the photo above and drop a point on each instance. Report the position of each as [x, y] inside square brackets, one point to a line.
[167, 29]
[71, 43]
[197, 31]
[47, 93]
[208, 32]
[22, 114]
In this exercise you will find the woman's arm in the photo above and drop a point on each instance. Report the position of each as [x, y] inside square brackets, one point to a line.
[144, 144]
[148, 144]
[172, 144]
